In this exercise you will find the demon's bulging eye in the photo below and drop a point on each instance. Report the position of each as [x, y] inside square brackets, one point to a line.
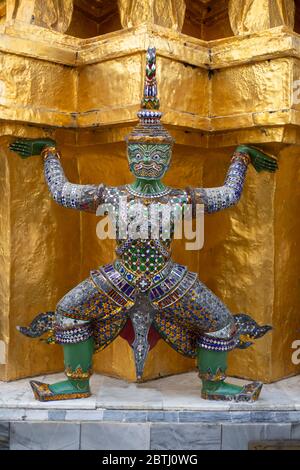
[156, 157]
[138, 156]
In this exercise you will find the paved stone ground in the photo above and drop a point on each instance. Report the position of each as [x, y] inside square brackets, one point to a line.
[164, 414]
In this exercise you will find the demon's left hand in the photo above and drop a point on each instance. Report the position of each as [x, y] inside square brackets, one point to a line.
[260, 160]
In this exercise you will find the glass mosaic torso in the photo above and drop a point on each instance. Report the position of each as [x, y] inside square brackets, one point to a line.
[141, 258]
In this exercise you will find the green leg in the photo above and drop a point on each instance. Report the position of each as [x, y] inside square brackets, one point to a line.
[212, 367]
[78, 368]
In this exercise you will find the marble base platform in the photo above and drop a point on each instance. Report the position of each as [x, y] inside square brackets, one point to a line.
[163, 414]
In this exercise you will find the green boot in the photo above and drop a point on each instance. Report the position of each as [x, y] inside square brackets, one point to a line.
[212, 367]
[78, 369]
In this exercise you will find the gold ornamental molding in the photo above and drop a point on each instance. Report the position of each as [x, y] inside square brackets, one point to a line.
[241, 85]
[66, 50]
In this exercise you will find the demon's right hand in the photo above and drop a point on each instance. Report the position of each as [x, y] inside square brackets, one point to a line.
[28, 147]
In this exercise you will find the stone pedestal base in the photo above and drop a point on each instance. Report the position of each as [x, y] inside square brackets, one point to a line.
[164, 414]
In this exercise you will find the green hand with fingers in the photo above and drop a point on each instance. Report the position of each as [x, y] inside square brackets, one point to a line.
[260, 160]
[29, 147]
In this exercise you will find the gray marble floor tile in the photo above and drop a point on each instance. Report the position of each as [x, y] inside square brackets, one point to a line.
[36, 415]
[12, 414]
[44, 436]
[123, 395]
[128, 416]
[295, 431]
[57, 415]
[20, 414]
[278, 416]
[4, 436]
[115, 436]
[169, 393]
[185, 437]
[204, 416]
[176, 393]
[238, 436]
[156, 416]
[84, 415]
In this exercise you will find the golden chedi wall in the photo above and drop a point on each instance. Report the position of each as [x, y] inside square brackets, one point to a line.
[226, 75]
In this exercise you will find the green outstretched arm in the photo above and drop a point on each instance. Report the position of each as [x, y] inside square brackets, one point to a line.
[29, 147]
[222, 197]
[85, 197]
[260, 160]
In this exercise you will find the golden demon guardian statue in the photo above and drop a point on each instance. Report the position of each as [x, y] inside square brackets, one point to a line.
[144, 287]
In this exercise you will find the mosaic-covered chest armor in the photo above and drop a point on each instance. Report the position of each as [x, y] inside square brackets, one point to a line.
[149, 251]
[144, 263]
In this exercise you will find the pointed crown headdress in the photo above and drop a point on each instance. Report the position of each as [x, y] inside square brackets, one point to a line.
[149, 128]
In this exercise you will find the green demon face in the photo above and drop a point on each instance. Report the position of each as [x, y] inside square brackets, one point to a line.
[149, 161]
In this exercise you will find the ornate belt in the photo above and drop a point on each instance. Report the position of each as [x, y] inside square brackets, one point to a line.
[164, 288]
